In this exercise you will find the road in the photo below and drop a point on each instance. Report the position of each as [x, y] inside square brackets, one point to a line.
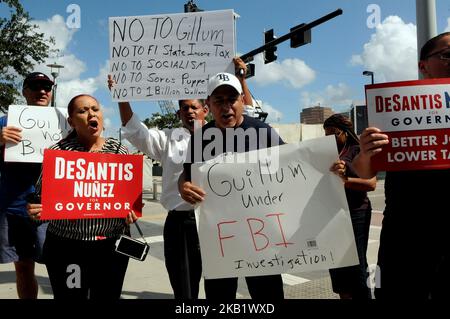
[149, 280]
[307, 285]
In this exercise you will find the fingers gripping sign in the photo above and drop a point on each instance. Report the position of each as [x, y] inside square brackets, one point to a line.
[191, 193]
[339, 168]
[10, 134]
[34, 211]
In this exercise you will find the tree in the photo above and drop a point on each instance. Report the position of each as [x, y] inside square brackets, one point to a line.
[21, 46]
[161, 121]
[168, 120]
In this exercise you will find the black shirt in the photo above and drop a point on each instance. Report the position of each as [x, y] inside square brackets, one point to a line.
[417, 193]
[357, 200]
[210, 141]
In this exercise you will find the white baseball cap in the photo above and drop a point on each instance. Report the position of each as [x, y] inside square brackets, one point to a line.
[224, 78]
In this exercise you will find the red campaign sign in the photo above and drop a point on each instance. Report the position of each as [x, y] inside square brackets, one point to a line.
[412, 150]
[80, 185]
[416, 117]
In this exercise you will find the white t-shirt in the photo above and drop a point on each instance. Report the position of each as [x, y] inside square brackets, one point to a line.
[168, 146]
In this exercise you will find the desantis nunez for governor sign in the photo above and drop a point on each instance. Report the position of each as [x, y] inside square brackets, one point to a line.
[90, 185]
[416, 117]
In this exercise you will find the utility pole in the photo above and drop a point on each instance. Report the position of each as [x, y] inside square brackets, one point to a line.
[54, 70]
[426, 23]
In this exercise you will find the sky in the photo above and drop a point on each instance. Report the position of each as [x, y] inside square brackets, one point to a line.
[379, 36]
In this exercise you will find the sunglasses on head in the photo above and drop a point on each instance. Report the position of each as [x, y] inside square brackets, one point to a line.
[38, 86]
[444, 55]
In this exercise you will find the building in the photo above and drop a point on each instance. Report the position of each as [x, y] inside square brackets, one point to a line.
[315, 115]
[295, 132]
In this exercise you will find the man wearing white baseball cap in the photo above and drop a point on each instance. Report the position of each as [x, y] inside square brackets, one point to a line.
[226, 103]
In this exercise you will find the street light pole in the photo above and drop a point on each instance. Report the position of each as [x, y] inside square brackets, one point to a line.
[354, 110]
[367, 73]
[54, 70]
[355, 119]
[426, 24]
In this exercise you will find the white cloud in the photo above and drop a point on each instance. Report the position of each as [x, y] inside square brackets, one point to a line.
[274, 115]
[341, 94]
[391, 52]
[73, 67]
[108, 111]
[69, 81]
[447, 29]
[101, 78]
[68, 89]
[332, 96]
[56, 27]
[292, 72]
[107, 123]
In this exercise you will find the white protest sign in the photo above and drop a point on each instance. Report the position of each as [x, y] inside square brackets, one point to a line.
[291, 220]
[169, 56]
[41, 128]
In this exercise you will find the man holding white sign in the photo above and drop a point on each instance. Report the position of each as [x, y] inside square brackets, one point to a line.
[20, 240]
[413, 257]
[226, 102]
[169, 146]
[41, 127]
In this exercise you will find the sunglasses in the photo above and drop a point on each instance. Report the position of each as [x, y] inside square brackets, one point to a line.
[39, 86]
[443, 55]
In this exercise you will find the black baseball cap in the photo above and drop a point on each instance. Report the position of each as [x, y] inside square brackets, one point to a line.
[35, 77]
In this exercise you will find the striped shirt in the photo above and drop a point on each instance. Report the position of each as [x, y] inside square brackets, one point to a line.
[87, 229]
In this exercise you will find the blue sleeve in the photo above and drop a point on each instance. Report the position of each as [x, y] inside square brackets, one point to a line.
[2, 147]
[3, 121]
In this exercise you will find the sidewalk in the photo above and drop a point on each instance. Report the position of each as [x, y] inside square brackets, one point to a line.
[149, 279]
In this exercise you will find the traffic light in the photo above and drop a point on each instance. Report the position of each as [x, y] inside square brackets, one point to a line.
[191, 7]
[300, 38]
[269, 53]
[250, 70]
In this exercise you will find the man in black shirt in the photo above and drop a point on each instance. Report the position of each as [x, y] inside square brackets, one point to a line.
[237, 133]
[413, 257]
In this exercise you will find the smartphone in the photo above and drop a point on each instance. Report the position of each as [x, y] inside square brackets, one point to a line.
[132, 247]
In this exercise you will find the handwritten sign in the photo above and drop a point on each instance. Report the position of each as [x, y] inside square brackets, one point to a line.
[255, 221]
[169, 57]
[90, 185]
[41, 127]
[416, 117]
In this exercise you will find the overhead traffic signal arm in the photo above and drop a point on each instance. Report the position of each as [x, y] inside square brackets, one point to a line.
[295, 32]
